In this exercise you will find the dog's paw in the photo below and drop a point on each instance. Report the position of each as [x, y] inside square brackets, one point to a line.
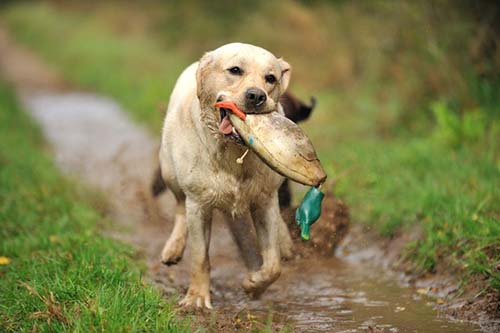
[286, 250]
[172, 252]
[197, 299]
[170, 262]
[257, 282]
[170, 258]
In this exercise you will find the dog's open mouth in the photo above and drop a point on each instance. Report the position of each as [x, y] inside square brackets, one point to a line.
[226, 128]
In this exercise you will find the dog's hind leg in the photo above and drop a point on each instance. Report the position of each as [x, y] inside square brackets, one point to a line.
[285, 240]
[176, 243]
[243, 232]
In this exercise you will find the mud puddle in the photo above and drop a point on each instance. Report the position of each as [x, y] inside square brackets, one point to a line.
[93, 140]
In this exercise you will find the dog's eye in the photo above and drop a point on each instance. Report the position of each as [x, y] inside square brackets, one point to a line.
[270, 78]
[235, 70]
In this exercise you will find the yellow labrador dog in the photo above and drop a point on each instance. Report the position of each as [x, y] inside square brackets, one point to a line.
[198, 154]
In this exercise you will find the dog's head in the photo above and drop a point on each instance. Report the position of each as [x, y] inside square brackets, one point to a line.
[247, 75]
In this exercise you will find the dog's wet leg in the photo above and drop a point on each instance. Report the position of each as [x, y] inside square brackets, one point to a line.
[285, 240]
[266, 219]
[199, 220]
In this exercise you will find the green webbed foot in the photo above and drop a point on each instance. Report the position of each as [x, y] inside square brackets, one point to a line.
[309, 211]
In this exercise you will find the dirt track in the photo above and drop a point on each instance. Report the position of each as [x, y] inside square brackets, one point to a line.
[93, 140]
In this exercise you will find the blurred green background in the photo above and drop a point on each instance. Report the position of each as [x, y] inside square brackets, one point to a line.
[408, 115]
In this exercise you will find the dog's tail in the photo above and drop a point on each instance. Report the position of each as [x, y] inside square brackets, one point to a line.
[158, 185]
[305, 110]
[295, 109]
[313, 104]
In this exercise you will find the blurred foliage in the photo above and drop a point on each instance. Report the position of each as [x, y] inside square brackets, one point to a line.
[417, 51]
[454, 129]
[405, 55]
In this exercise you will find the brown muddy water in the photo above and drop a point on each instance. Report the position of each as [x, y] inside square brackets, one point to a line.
[93, 140]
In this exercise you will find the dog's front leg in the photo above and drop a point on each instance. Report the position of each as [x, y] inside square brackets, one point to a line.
[199, 220]
[266, 218]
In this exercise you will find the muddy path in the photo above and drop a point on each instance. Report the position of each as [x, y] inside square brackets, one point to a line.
[93, 140]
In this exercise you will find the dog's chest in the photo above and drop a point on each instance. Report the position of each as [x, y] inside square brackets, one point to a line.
[233, 187]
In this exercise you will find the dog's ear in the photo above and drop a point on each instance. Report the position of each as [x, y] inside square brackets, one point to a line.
[286, 73]
[201, 71]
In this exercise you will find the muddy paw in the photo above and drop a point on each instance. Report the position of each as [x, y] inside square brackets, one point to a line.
[286, 250]
[257, 282]
[170, 262]
[172, 253]
[196, 299]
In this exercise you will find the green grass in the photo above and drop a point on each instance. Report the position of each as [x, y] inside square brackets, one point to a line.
[402, 168]
[450, 196]
[62, 275]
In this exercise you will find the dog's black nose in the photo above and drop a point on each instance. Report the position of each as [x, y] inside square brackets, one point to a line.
[255, 97]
